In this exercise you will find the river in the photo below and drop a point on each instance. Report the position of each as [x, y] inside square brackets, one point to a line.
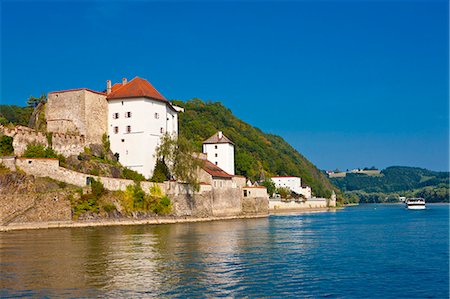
[366, 251]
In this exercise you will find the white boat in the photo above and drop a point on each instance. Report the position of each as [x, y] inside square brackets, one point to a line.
[415, 204]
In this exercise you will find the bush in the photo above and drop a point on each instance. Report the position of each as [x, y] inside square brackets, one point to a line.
[36, 150]
[109, 207]
[284, 192]
[135, 199]
[161, 172]
[161, 205]
[87, 203]
[6, 147]
[97, 188]
[132, 175]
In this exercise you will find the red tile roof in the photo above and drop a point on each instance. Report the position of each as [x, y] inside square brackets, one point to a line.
[215, 170]
[137, 87]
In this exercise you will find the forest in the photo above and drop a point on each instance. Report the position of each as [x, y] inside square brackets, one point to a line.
[396, 181]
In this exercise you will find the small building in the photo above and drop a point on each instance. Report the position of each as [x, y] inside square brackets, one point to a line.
[220, 151]
[294, 184]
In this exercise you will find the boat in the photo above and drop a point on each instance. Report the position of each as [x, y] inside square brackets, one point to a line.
[415, 204]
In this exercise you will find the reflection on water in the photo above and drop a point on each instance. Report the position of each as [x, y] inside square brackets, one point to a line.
[324, 254]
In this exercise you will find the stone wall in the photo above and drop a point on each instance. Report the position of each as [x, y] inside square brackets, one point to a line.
[64, 144]
[9, 162]
[208, 201]
[68, 145]
[22, 136]
[313, 203]
[34, 207]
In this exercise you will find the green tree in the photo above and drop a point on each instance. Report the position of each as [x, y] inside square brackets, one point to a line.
[179, 155]
[161, 172]
[6, 146]
[33, 102]
[284, 192]
[270, 185]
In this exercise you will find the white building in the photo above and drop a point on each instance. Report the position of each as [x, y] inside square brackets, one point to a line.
[220, 151]
[138, 116]
[294, 184]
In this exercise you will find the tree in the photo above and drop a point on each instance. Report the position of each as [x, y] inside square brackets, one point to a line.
[6, 145]
[161, 172]
[33, 102]
[178, 153]
[270, 186]
[284, 192]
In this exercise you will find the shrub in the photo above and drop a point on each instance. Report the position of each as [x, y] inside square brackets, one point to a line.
[97, 188]
[94, 171]
[161, 205]
[109, 207]
[87, 203]
[36, 150]
[132, 175]
[6, 147]
[161, 172]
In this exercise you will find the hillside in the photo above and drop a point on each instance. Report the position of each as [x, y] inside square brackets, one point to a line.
[396, 181]
[255, 150]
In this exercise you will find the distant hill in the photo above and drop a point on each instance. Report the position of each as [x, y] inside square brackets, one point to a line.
[255, 150]
[395, 181]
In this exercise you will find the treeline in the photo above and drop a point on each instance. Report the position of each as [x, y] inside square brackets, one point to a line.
[257, 154]
[15, 115]
[396, 181]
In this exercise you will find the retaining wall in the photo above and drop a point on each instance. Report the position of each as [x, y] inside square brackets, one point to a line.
[313, 203]
[208, 201]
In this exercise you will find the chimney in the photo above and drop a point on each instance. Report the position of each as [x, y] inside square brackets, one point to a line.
[124, 81]
[219, 134]
[108, 86]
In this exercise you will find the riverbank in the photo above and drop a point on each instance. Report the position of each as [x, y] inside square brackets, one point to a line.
[121, 222]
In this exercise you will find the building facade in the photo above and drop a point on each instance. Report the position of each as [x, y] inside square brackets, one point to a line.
[138, 116]
[133, 114]
[220, 151]
[294, 184]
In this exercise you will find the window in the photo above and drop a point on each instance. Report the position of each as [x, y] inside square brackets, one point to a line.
[122, 103]
[161, 130]
[128, 129]
[215, 155]
[116, 115]
[116, 130]
[216, 162]
[123, 140]
[156, 115]
[215, 146]
[128, 114]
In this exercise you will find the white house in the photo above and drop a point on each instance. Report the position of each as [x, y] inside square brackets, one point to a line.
[294, 184]
[138, 116]
[220, 151]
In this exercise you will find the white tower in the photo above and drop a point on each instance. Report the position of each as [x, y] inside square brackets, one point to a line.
[220, 151]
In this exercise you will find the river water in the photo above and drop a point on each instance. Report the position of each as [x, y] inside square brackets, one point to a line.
[368, 251]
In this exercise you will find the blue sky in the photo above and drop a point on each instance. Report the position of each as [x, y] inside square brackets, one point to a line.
[347, 83]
